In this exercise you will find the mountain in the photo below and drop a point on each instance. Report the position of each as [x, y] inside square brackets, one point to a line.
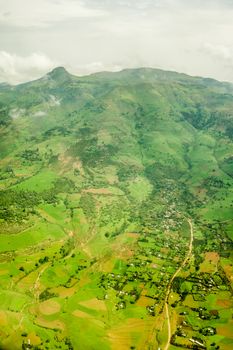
[116, 211]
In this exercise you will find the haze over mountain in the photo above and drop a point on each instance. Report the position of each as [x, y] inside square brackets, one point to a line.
[88, 36]
[116, 211]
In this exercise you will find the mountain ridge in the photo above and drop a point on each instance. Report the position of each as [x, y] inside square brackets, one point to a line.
[60, 72]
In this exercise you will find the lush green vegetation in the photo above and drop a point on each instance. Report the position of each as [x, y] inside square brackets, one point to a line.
[99, 176]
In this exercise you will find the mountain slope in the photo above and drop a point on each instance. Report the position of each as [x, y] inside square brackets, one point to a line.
[99, 175]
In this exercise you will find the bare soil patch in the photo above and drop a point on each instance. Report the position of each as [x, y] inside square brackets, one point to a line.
[229, 272]
[81, 314]
[95, 304]
[226, 330]
[34, 339]
[209, 265]
[104, 191]
[132, 234]
[144, 301]
[3, 318]
[49, 307]
[224, 303]
[56, 324]
[64, 292]
[123, 335]
[213, 256]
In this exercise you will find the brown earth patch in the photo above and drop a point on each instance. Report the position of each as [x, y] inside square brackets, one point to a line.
[226, 330]
[210, 263]
[144, 301]
[34, 339]
[95, 304]
[64, 159]
[228, 271]
[212, 256]
[56, 324]
[154, 266]
[122, 248]
[125, 253]
[224, 303]
[104, 191]
[64, 292]
[81, 314]
[225, 346]
[132, 234]
[49, 307]
[122, 336]
[3, 318]
[28, 281]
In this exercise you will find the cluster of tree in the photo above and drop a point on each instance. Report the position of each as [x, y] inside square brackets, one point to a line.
[199, 116]
[6, 173]
[17, 205]
[63, 185]
[91, 153]
[125, 172]
[66, 342]
[5, 118]
[56, 131]
[30, 155]
[213, 181]
[88, 205]
[46, 294]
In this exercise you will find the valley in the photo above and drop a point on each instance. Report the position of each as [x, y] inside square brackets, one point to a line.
[116, 212]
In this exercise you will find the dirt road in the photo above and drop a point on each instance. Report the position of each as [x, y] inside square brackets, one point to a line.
[187, 257]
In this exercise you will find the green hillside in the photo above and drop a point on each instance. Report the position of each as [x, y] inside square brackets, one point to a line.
[104, 179]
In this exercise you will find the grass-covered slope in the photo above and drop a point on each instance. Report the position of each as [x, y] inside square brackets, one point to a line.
[99, 175]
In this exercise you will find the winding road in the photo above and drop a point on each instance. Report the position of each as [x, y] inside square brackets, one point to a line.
[188, 256]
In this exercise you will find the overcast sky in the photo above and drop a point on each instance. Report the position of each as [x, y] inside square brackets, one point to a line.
[85, 36]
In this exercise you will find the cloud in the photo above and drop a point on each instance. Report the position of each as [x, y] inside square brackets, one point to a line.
[43, 13]
[15, 69]
[93, 35]
[222, 56]
[219, 52]
[94, 67]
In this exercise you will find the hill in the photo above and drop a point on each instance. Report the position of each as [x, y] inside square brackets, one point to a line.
[103, 180]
